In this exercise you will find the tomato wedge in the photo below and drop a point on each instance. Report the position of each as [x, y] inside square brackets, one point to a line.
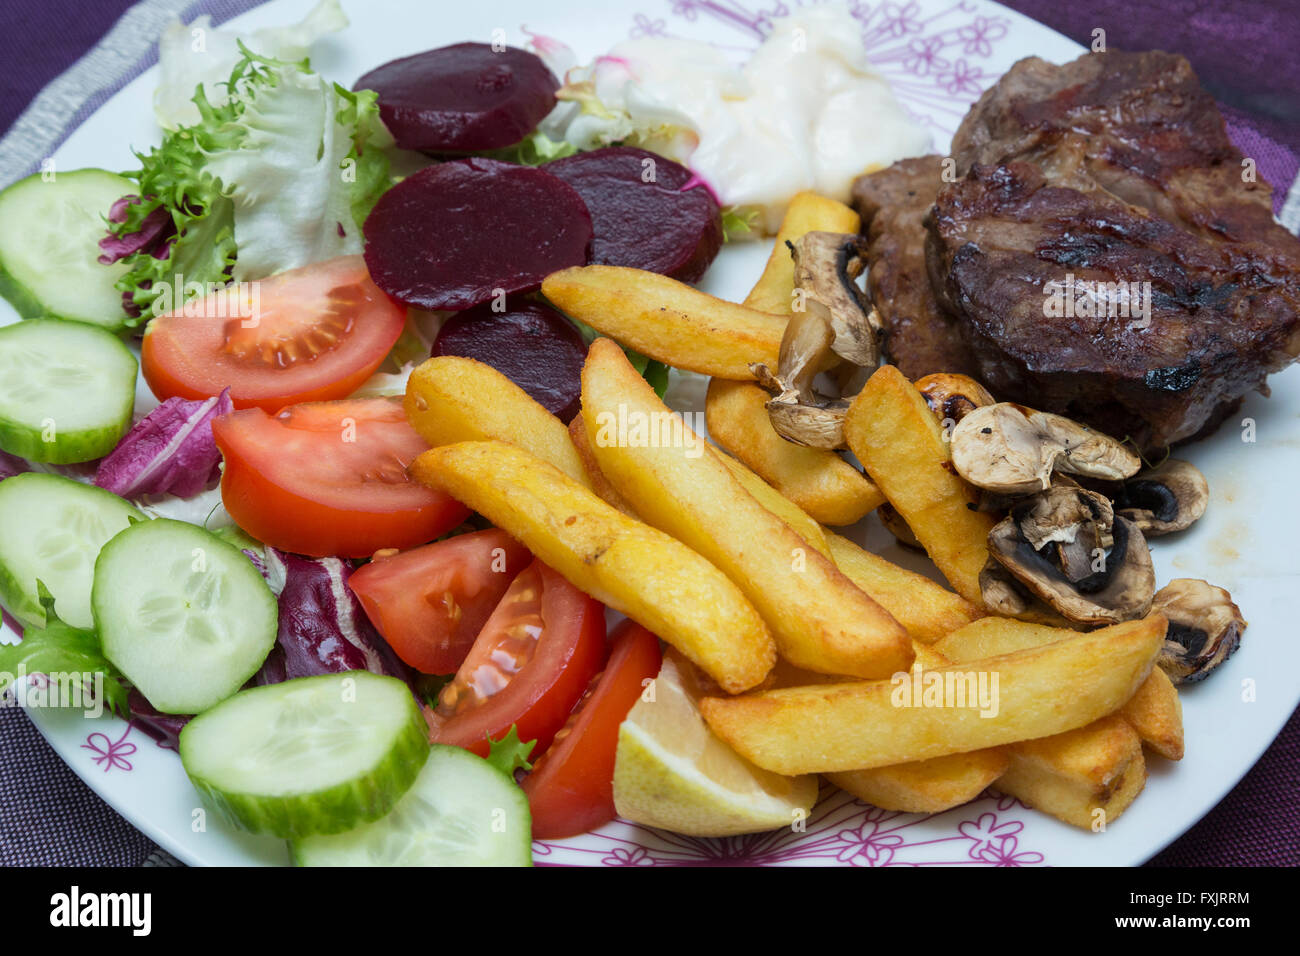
[329, 478]
[306, 335]
[571, 788]
[531, 663]
[431, 602]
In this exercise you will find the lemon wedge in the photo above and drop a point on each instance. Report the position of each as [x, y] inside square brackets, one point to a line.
[672, 772]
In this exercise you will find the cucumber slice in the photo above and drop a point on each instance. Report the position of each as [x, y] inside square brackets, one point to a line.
[51, 529]
[311, 755]
[66, 391]
[461, 811]
[49, 247]
[184, 615]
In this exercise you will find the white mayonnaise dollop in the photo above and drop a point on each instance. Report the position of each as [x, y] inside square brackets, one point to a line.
[807, 111]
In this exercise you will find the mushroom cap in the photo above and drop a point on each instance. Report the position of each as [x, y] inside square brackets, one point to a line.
[816, 426]
[1165, 499]
[1121, 591]
[1011, 449]
[1075, 522]
[1205, 628]
[952, 396]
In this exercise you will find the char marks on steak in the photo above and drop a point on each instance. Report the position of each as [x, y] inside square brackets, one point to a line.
[1115, 168]
[920, 337]
[1218, 320]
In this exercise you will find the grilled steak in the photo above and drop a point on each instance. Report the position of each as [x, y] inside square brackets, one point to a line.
[1110, 183]
[920, 338]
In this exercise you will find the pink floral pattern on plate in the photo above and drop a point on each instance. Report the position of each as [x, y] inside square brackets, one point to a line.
[841, 831]
[937, 60]
[111, 754]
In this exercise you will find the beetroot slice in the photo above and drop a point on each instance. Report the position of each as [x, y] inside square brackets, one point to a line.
[531, 344]
[462, 98]
[657, 226]
[458, 233]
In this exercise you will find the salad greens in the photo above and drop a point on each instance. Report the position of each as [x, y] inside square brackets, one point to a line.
[60, 648]
[510, 753]
[169, 451]
[534, 150]
[653, 371]
[198, 54]
[279, 176]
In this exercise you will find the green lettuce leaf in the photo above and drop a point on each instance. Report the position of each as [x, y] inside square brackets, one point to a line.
[739, 222]
[656, 373]
[279, 175]
[60, 648]
[510, 753]
[533, 150]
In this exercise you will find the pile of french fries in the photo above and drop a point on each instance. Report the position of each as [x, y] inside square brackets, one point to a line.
[724, 552]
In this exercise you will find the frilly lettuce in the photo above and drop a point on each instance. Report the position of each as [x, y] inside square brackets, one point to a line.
[278, 176]
[198, 54]
[304, 173]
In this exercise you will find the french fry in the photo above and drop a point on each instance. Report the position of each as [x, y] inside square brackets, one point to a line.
[1154, 710]
[1083, 777]
[595, 477]
[927, 610]
[899, 441]
[854, 726]
[926, 786]
[451, 399]
[652, 578]
[807, 212]
[1156, 713]
[992, 636]
[819, 618]
[820, 482]
[778, 504]
[1072, 775]
[668, 320]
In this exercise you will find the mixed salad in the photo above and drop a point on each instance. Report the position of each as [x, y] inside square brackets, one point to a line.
[345, 658]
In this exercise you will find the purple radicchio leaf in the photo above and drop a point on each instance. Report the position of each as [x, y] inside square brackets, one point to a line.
[155, 236]
[323, 628]
[11, 465]
[164, 728]
[169, 451]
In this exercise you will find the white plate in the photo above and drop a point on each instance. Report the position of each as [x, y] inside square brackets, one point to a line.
[940, 54]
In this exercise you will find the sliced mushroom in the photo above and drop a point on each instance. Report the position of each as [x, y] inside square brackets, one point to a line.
[1075, 522]
[896, 526]
[1165, 499]
[1070, 569]
[1204, 628]
[951, 396]
[826, 270]
[1001, 592]
[795, 405]
[1011, 449]
[832, 330]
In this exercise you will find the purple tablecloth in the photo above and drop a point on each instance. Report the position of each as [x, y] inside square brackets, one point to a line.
[1243, 53]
